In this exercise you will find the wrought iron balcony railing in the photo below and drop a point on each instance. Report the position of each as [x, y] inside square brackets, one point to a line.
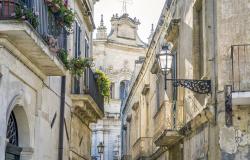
[35, 12]
[92, 88]
[87, 85]
[240, 67]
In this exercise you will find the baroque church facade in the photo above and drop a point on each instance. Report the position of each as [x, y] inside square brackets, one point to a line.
[119, 54]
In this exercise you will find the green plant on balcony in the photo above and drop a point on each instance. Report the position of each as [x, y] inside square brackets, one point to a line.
[78, 65]
[103, 83]
[63, 55]
[75, 65]
[24, 13]
[64, 16]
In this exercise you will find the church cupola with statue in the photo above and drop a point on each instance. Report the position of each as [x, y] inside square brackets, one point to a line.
[101, 30]
[123, 31]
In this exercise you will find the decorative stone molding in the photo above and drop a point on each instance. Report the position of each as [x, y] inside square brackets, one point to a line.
[145, 89]
[86, 108]
[27, 153]
[173, 30]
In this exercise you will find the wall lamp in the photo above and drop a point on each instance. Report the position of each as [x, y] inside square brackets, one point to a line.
[165, 59]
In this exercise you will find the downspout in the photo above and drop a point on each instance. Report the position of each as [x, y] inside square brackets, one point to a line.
[214, 76]
[61, 123]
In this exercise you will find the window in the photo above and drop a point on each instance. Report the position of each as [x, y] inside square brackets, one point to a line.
[77, 53]
[12, 150]
[86, 47]
[77, 40]
[160, 89]
[124, 89]
[198, 53]
[12, 133]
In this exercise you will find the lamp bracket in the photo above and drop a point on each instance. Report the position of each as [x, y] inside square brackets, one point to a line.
[198, 86]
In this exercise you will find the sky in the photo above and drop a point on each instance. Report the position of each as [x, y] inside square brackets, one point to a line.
[147, 11]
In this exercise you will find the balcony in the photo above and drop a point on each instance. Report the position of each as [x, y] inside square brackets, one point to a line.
[30, 42]
[166, 131]
[142, 148]
[240, 73]
[87, 101]
[87, 11]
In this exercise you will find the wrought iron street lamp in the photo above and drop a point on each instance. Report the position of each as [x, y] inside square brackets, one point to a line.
[165, 59]
[100, 149]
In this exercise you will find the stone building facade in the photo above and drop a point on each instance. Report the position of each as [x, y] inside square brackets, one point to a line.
[117, 54]
[45, 112]
[173, 120]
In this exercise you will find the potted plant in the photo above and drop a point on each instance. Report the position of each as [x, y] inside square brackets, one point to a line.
[24, 13]
[103, 83]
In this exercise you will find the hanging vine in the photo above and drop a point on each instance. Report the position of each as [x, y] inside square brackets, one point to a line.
[103, 83]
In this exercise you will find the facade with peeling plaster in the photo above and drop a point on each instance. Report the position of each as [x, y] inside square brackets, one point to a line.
[35, 86]
[119, 54]
[166, 120]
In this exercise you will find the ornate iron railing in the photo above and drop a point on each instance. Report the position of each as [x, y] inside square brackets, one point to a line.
[240, 67]
[91, 88]
[87, 84]
[53, 34]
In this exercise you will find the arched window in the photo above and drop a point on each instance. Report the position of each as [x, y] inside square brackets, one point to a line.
[12, 149]
[12, 132]
[124, 89]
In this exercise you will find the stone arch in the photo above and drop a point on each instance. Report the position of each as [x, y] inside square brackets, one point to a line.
[16, 106]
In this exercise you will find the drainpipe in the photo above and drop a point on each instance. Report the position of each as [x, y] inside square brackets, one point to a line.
[214, 75]
[61, 123]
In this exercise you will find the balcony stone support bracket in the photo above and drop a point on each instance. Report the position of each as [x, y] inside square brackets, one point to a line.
[200, 119]
[173, 30]
[168, 138]
[86, 109]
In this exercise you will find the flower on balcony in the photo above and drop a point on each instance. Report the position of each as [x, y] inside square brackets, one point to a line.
[103, 83]
[24, 13]
[64, 16]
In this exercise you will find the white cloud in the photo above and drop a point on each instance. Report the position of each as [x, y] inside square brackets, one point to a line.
[147, 11]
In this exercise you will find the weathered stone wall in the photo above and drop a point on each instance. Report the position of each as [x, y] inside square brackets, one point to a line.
[233, 29]
[36, 103]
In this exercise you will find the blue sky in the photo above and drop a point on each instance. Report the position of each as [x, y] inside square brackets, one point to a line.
[147, 11]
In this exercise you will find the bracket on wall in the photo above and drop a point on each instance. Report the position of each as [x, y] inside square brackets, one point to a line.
[198, 86]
